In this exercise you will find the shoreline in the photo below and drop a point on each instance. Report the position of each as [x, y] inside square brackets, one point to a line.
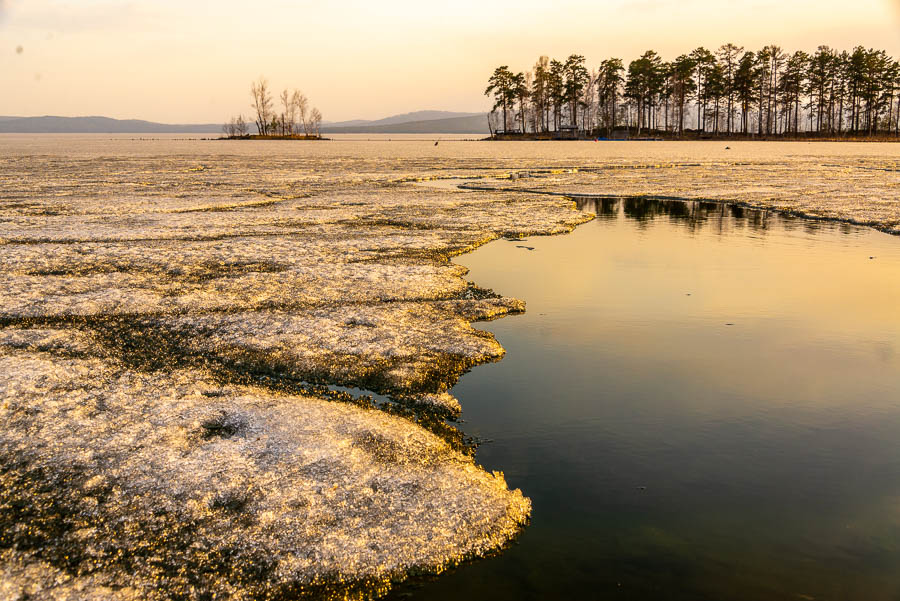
[190, 315]
[665, 137]
[885, 229]
[501, 575]
[304, 138]
[469, 184]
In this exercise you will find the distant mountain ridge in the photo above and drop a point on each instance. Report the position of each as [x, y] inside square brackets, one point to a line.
[431, 122]
[98, 125]
[472, 124]
[403, 118]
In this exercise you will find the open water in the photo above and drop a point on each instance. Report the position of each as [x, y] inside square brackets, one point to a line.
[702, 402]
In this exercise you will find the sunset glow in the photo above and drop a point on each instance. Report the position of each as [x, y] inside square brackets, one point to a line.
[193, 61]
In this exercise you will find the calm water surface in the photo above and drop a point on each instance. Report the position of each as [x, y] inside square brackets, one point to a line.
[702, 402]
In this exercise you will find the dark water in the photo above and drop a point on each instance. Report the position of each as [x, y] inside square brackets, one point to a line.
[702, 402]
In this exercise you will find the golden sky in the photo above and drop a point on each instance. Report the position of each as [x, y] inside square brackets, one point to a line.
[193, 60]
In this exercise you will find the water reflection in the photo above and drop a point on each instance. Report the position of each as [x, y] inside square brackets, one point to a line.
[602, 207]
[702, 401]
[693, 212]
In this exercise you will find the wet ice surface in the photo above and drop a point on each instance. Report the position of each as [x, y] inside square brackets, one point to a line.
[864, 192]
[162, 301]
[225, 489]
[160, 316]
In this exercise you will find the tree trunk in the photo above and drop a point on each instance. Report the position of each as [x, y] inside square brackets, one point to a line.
[840, 127]
[614, 115]
[699, 96]
[716, 117]
[730, 114]
[897, 123]
[522, 110]
[667, 115]
[890, 104]
[775, 93]
[759, 125]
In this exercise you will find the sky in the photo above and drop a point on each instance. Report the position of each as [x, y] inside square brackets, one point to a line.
[192, 61]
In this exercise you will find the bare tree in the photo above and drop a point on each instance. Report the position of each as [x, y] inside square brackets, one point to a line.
[240, 126]
[262, 103]
[287, 113]
[540, 94]
[492, 122]
[315, 120]
[590, 107]
[236, 127]
[301, 105]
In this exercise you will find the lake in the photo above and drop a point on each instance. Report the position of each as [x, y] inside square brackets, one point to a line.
[702, 402]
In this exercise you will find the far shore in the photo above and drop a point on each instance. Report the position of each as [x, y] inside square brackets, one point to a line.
[621, 136]
[269, 137]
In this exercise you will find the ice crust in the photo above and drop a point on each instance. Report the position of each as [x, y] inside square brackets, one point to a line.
[156, 322]
[854, 190]
[160, 306]
[303, 494]
[388, 346]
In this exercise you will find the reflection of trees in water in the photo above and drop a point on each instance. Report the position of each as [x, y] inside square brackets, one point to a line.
[758, 220]
[693, 214]
[812, 226]
[698, 214]
[643, 209]
[601, 207]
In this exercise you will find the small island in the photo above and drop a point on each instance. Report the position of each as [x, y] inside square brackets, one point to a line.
[296, 121]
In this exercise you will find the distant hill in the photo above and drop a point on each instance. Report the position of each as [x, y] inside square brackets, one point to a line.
[98, 125]
[470, 124]
[419, 122]
[404, 118]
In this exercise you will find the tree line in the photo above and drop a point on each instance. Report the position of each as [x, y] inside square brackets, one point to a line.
[767, 92]
[295, 115]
